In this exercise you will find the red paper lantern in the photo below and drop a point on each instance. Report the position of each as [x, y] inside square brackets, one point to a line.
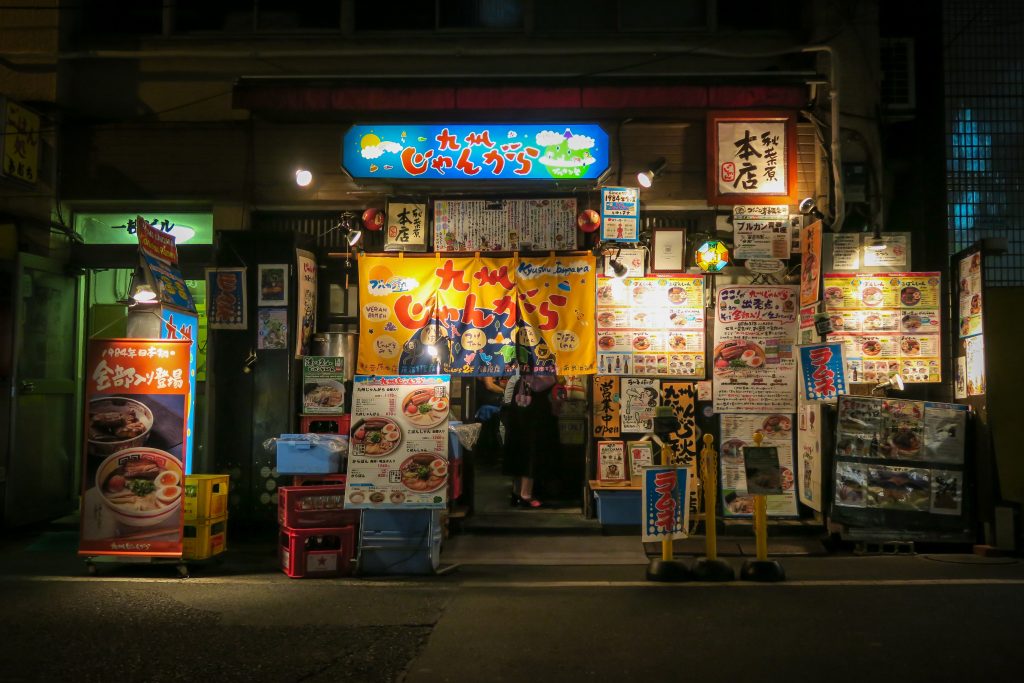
[373, 219]
[588, 220]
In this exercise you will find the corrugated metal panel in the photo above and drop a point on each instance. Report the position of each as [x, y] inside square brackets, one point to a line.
[321, 225]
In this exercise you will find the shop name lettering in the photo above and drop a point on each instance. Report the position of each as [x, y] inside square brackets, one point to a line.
[664, 484]
[121, 377]
[410, 220]
[824, 377]
[25, 138]
[747, 151]
[517, 154]
[413, 315]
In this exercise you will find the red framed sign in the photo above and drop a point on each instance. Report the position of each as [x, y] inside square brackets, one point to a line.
[751, 157]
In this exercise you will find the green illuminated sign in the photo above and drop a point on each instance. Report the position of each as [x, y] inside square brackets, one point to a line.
[119, 228]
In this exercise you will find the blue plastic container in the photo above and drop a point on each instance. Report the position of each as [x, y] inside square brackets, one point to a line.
[400, 542]
[306, 454]
[619, 507]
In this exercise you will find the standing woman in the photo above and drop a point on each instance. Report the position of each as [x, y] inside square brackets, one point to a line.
[531, 430]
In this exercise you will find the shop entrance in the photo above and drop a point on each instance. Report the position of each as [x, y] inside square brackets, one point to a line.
[43, 391]
[514, 440]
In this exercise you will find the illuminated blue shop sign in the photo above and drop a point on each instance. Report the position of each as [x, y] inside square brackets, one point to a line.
[476, 151]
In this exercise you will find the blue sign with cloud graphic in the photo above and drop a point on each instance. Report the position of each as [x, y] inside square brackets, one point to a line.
[476, 151]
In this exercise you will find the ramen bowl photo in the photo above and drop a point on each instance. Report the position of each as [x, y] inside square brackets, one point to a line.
[324, 393]
[141, 486]
[871, 296]
[117, 423]
[425, 408]
[424, 472]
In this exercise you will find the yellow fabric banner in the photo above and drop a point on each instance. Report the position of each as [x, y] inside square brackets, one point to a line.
[476, 315]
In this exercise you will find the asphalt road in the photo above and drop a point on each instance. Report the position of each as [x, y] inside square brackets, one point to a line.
[924, 618]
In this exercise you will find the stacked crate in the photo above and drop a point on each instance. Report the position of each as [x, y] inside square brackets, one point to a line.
[317, 534]
[206, 516]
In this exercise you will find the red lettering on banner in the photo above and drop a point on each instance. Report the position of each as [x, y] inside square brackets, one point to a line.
[523, 159]
[507, 304]
[415, 163]
[550, 317]
[446, 140]
[664, 483]
[494, 158]
[450, 277]
[441, 162]
[412, 315]
[475, 139]
[486, 276]
[474, 316]
[824, 378]
[465, 165]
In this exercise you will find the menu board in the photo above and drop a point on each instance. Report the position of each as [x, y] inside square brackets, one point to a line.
[754, 364]
[737, 432]
[398, 453]
[761, 232]
[651, 326]
[888, 323]
[504, 225]
[323, 385]
[970, 296]
[897, 455]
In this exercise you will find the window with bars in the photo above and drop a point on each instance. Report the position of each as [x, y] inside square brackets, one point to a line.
[984, 92]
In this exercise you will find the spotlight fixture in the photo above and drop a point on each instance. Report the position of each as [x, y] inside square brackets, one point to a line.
[144, 294]
[354, 236]
[617, 267]
[809, 207]
[646, 178]
[876, 243]
[303, 177]
[894, 382]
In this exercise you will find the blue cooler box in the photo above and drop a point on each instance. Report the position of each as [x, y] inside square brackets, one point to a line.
[306, 454]
[400, 542]
[619, 507]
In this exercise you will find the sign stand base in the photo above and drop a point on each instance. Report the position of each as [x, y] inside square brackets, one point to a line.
[713, 570]
[762, 570]
[668, 570]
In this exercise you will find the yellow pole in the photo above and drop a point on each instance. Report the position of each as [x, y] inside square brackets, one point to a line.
[760, 515]
[709, 480]
[666, 543]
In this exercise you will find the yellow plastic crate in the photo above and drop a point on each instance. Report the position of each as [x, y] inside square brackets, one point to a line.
[206, 496]
[205, 538]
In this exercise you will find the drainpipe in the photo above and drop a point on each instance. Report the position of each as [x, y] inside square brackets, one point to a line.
[837, 168]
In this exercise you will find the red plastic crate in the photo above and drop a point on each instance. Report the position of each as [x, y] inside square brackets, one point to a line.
[325, 424]
[311, 553]
[455, 478]
[314, 507]
[319, 479]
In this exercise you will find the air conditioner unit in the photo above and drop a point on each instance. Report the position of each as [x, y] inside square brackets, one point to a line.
[897, 61]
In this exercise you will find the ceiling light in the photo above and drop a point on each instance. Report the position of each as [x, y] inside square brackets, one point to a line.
[303, 177]
[646, 178]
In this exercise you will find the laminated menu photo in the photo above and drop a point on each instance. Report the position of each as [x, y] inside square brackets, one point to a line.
[323, 385]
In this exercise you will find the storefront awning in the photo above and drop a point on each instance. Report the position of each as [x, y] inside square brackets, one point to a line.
[259, 95]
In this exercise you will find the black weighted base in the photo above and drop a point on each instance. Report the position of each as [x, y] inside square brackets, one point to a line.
[762, 570]
[668, 570]
[713, 570]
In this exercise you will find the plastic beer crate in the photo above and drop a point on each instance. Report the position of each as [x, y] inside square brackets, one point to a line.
[204, 538]
[309, 553]
[314, 507]
[206, 495]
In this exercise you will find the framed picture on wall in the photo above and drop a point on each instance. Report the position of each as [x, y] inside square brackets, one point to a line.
[273, 280]
[751, 157]
[611, 462]
[668, 250]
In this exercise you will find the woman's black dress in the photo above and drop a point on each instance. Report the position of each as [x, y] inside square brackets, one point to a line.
[530, 432]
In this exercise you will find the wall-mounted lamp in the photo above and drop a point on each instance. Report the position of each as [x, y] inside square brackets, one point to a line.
[353, 236]
[809, 207]
[144, 294]
[646, 178]
[876, 243]
[303, 177]
[617, 266]
[894, 382]
[712, 256]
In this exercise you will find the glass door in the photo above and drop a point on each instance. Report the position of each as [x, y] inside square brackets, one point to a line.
[43, 455]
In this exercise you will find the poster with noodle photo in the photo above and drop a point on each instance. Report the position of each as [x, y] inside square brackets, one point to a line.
[135, 445]
[398, 455]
